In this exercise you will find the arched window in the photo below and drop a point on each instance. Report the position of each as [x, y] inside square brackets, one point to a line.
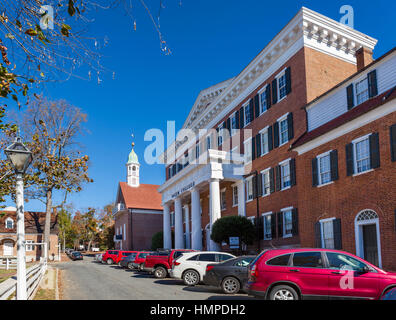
[367, 215]
[9, 223]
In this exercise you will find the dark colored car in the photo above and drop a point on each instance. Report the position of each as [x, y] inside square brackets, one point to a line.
[75, 255]
[110, 256]
[123, 254]
[139, 260]
[230, 275]
[127, 261]
[293, 274]
[389, 295]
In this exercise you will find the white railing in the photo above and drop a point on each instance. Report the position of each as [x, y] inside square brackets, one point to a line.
[8, 262]
[34, 274]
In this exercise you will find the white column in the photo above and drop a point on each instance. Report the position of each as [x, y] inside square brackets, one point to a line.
[179, 237]
[21, 293]
[241, 198]
[215, 211]
[187, 223]
[167, 228]
[196, 220]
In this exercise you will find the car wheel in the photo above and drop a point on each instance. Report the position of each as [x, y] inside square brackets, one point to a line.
[160, 272]
[191, 278]
[283, 292]
[230, 285]
[109, 261]
[130, 266]
[140, 268]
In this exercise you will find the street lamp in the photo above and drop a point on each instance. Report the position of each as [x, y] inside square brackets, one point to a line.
[20, 158]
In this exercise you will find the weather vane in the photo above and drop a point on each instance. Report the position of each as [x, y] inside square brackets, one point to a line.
[133, 143]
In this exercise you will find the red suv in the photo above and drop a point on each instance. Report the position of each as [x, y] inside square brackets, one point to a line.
[110, 256]
[123, 254]
[292, 274]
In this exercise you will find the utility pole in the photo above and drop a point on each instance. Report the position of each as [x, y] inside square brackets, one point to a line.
[21, 261]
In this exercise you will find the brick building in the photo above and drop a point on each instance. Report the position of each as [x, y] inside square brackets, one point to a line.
[34, 233]
[138, 211]
[347, 165]
[240, 132]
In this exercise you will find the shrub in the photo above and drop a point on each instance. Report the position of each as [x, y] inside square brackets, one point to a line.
[233, 226]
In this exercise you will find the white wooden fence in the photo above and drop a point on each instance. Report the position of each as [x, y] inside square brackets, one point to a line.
[8, 262]
[34, 274]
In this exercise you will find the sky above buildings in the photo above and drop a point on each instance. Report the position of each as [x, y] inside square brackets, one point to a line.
[210, 40]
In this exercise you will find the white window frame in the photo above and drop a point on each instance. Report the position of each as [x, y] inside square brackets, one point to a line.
[264, 223]
[354, 154]
[28, 245]
[197, 151]
[244, 115]
[250, 159]
[264, 90]
[249, 180]
[262, 132]
[285, 210]
[281, 164]
[7, 220]
[325, 154]
[208, 142]
[281, 119]
[223, 204]
[322, 235]
[278, 76]
[251, 218]
[235, 199]
[355, 87]
[220, 135]
[233, 130]
[263, 173]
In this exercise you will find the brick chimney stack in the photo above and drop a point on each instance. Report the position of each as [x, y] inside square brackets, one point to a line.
[364, 57]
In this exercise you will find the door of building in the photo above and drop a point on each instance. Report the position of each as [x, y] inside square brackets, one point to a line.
[8, 248]
[370, 245]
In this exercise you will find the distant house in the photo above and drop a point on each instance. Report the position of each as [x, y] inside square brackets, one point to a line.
[34, 233]
[138, 212]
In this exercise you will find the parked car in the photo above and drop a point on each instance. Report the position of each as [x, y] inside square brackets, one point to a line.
[110, 256]
[127, 261]
[139, 260]
[75, 255]
[389, 295]
[95, 249]
[160, 263]
[123, 254]
[98, 257]
[230, 275]
[292, 274]
[191, 267]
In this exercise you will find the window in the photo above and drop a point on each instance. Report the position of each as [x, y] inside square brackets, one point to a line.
[341, 261]
[9, 223]
[249, 189]
[283, 131]
[224, 257]
[233, 124]
[264, 142]
[248, 150]
[223, 199]
[263, 101]
[362, 155]
[211, 257]
[172, 219]
[287, 223]
[267, 227]
[324, 168]
[197, 151]
[29, 246]
[362, 93]
[327, 233]
[208, 143]
[308, 259]
[234, 196]
[285, 175]
[248, 114]
[193, 258]
[282, 86]
[220, 135]
[244, 262]
[279, 260]
[266, 182]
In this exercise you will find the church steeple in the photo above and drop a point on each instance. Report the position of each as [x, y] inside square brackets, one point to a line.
[133, 167]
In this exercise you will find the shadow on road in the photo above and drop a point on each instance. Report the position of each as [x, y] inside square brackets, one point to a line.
[230, 297]
[203, 288]
[170, 282]
[143, 276]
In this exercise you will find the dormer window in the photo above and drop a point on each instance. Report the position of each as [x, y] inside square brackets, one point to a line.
[362, 91]
[9, 223]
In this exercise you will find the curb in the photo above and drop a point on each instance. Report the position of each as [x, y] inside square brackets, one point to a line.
[56, 284]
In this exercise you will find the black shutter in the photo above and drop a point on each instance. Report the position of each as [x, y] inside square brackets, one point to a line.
[237, 119]
[290, 129]
[349, 159]
[256, 105]
[350, 96]
[288, 80]
[268, 96]
[276, 134]
[280, 224]
[241, 118]
[228, 127]
[272, 180]
[258, 145]
[273, 225]
[259, 185]
[274, 91]
[253, 148]
[318, 235]
[254, 184]
[337, 234]
[315, 180]
[334, 165]
[392, 132]
[261, 228]
[277, 178]
[372, 83]
[295, 222]
[251, 110]
[374, 150]
[270, 141]
[293, 179]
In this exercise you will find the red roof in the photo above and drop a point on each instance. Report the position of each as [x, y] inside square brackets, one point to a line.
[146, 196]
[347, 116]
[34, 222]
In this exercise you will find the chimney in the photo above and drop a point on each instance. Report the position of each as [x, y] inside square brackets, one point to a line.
[364, 57]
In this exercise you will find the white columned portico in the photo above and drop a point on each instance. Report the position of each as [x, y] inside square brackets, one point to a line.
[187, 223]
[167, 228]
[241, 198]
[215, 210]
[196, 235]
[179, 238]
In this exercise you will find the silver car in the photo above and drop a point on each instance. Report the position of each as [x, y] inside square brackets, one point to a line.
[98, 257]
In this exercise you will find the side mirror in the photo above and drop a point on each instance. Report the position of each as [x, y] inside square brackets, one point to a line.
[365, 269]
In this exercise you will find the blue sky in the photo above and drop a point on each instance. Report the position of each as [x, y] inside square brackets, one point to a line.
[211, 41]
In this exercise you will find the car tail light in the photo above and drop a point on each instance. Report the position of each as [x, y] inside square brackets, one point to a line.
[253, 273]
[208, 268]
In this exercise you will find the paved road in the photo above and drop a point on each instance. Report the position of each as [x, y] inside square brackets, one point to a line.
[89, 280]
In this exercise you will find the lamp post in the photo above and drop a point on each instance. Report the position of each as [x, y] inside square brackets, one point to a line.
[20, 158]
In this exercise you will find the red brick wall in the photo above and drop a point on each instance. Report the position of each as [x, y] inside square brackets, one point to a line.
[144, 226]
[347, 196]
[123, 217]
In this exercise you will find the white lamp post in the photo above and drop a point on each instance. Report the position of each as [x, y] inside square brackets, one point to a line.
[20, 158]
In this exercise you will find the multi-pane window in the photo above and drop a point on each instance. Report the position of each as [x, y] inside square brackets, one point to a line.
[285, 175]
[197, 151]
[248, 151]
[264, 142]
[208, 143]
[263, 101]
[223, 199]
[29, 246]
[282, 86]
[362, 155]
[248, 114]
[287, 223]
[266, 182]
[327, 234]
[235, 196]
[267, 227]
[283, 131]
[362, 93]
[249, 189]
[324, 169]
[172, 219]
[233, 123]
[9, 224]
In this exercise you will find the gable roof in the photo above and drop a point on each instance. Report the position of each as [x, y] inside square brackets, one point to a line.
[146, 196]
[34, 222]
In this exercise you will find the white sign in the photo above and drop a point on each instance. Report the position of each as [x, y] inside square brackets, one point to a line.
[234, 242]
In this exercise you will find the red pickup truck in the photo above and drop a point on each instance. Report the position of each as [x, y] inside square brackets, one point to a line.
[160, 263]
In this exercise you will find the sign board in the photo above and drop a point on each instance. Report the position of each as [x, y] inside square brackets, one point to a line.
[234, 242]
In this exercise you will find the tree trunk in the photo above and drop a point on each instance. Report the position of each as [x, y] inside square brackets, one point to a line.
[47, 226]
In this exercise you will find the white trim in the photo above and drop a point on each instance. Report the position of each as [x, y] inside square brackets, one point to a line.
[354, 142]
[260, 92]
[286, 209]
[322, 231]
[324, 184]
[263, 215]
[322, 155]
[289, 209]
[284, 161]
[283, 117]
[279, 75]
